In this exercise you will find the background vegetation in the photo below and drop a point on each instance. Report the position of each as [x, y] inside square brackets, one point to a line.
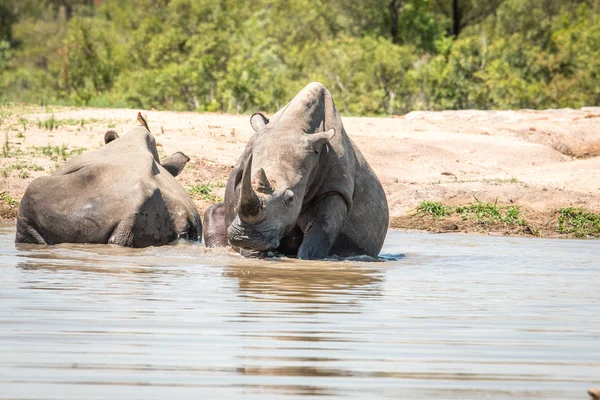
[376, 56]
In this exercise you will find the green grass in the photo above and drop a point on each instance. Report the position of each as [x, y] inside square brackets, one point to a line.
[491, 212]
[24, 122]
[203, 192]
[6, 198]
[578, 221]
[5, 146]
[49, 123]
[52, 123]
[433, 208]
[24, 169]
[56, 152]
[511, 180]
[78, 121]
[77, 152]
[483, 213]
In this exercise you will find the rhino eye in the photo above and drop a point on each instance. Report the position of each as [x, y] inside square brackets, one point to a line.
[288, 197]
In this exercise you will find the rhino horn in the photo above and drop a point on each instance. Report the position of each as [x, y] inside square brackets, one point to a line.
[249, 206]
[262, 181]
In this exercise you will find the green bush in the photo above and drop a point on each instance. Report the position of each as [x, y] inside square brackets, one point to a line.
[378, 57]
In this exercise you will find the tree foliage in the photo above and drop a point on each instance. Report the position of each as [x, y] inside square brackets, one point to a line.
[378, 57]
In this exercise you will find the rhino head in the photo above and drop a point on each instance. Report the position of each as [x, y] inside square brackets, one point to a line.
[275, 182]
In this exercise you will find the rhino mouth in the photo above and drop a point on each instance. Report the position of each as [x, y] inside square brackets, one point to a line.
[252, 237]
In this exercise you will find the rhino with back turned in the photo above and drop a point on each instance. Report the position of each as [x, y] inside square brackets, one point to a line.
[118, 194]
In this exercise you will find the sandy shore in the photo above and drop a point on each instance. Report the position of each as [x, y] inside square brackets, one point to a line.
[540, 161]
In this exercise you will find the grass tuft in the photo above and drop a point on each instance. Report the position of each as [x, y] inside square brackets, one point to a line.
[5, 146]
[23, 169]
[7, 198]
[578, 221]
[49, 123]
[53, 123]
[24, 122]
[491, 212]
[433, 208]
[203, 192]
[480, 212]
[57, 152]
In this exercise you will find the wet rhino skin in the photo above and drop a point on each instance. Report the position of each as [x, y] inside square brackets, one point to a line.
[119, 194]
[338, 205]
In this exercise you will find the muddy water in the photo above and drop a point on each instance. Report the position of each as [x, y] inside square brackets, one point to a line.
[446, 316]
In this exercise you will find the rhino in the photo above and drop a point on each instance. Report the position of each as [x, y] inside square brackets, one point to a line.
[119, 194]
[302, 187]
[215, 234]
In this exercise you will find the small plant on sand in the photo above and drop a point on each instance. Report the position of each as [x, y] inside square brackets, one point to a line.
[76, 152]
[63, 152]
[433, 208]
[7, 198]
[23, 167]
[491, 212]
[23, 122]
[578, 221]
[499, 180]
[49, 123]
[57, 152]
[5, 146]
[203, 192]
[81, 122]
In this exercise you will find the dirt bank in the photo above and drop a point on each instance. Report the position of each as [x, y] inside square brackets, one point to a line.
[540, 161]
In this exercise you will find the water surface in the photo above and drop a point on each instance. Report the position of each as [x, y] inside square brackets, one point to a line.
[446, 316]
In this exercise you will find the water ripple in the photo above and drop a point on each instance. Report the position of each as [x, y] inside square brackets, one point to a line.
[447, 316]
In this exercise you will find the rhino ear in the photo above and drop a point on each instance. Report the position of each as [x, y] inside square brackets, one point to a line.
[320, 139]
[258, 122]
[175, 163]
[109, 136]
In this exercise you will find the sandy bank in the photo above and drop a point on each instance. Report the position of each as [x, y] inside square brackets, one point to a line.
[538, 160]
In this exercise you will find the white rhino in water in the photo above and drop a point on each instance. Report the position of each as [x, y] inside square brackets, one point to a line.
[301, 187]
[119, 194]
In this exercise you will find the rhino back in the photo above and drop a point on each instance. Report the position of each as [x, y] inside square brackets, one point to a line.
[117, 194]
[80, 207]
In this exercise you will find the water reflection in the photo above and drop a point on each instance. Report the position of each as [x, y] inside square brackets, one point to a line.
[296, 281]
[89, 266]
[458, 317]
[302, 298]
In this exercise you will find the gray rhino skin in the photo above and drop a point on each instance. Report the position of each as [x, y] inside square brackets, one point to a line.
[215, 233]
[302, 187]
[119, 194]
